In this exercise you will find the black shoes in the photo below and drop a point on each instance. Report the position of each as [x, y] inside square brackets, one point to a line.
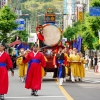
[1, 97]
[34, 92]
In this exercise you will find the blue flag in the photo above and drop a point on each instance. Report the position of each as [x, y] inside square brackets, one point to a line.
[79, 43]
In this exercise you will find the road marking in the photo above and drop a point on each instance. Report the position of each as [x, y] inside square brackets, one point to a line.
[68, 97]
[65, 93]
[35, 97]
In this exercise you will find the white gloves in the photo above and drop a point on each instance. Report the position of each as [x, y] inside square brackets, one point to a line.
[55, 66]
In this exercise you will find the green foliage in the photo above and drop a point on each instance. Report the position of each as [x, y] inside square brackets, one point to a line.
[95, 3]
[88, 29]
[7, 20]
[23, 35]
[71, 32]
[43, 0]
[31, 7]
[7, 23]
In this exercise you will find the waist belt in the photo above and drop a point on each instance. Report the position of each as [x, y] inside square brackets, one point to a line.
[2, 64]
[34, 61]
[60, 61]
[29, 64]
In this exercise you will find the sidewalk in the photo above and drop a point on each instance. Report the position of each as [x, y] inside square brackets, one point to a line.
[50, 90]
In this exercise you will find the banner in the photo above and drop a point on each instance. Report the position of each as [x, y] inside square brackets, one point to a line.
[80, 16]
[31, 40]
[80, 12]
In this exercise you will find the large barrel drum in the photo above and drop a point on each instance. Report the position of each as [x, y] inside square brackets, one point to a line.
[52, 34]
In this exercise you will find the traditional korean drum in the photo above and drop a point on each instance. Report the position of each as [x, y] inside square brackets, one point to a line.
[52, 34]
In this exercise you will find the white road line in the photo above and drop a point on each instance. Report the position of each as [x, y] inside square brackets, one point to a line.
[35, 97]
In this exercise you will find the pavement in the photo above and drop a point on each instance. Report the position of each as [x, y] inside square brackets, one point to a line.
[49, 91]
[87, 89]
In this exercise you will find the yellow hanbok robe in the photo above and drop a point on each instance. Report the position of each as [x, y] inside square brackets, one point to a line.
[74, 64]
[67, 66]
[42, 69]
[82, 68]
[22, 67]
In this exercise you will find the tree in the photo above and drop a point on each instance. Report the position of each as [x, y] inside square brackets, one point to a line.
[73, 31]
[95, 3]
[88, 29]
[7, 23]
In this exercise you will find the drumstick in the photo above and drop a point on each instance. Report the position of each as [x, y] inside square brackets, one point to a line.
[44, 47]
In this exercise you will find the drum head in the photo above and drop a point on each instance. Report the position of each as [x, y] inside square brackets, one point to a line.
[52, 34]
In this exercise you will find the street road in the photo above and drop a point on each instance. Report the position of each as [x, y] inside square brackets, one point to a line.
[50, 90]
[88, 89]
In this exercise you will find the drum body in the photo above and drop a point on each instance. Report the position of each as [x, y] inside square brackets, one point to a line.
[52, 34]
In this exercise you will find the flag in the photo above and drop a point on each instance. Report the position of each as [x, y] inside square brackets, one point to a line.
[74, 44]
[79, 43]
[23, 45]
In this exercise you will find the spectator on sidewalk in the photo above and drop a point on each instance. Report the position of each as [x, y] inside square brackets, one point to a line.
[89, 63]
[95, 62]
[98, 65]
[87, 60]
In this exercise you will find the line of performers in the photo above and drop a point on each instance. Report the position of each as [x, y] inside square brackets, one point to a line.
[32, 67]
[31, 64]
[68, 63]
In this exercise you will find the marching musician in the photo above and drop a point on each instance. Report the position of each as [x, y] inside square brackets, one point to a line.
[60, 63]
[74, 60]
[39, 31]
[5, 64]
[22, 67]
[42, 68]
[81, 66]
[35, 60]
[67, 67]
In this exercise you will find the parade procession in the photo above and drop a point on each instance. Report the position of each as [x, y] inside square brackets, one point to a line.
[49, 49]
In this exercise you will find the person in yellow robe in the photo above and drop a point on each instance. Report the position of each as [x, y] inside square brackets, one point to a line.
[43, 71]
[67, 68]
[74, 60]
[22, 67]
[81, 66]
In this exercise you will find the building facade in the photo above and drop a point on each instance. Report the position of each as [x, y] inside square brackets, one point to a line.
[3, 3]
[74, 11]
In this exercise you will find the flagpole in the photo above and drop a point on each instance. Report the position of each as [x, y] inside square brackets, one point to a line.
[99, 40]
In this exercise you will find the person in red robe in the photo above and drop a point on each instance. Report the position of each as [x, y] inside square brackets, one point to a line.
[5, 64]
[39, 31]
[35, 60]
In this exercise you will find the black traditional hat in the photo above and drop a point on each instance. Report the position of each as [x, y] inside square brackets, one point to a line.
[60, 46]
[35, 45]
[2, 43]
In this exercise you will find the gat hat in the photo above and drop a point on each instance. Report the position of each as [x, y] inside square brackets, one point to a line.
[2, 43]
[60, 46]
[35, 45]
